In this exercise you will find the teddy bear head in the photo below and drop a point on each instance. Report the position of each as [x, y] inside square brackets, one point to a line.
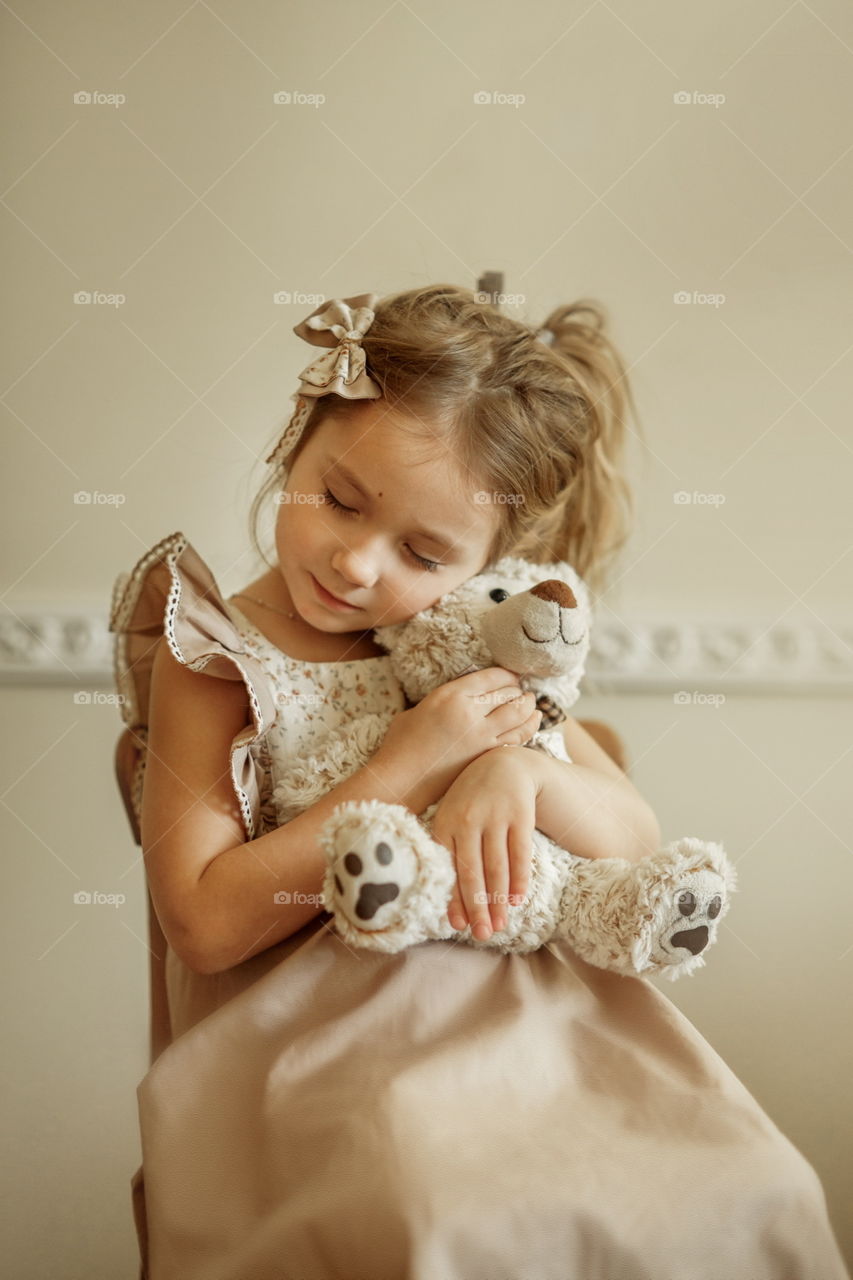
[533, 619]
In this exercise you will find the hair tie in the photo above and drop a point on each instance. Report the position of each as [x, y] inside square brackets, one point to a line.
[338, 324]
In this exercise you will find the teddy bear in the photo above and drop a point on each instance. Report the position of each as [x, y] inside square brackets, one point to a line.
[388, 883]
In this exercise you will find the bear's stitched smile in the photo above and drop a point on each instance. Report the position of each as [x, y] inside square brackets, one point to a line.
[550, 638]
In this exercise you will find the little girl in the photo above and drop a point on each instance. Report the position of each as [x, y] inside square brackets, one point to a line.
[446, 1113]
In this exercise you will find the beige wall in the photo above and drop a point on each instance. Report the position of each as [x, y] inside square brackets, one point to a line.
[198, 198]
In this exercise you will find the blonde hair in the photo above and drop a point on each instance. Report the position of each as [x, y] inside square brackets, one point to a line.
[542, 424]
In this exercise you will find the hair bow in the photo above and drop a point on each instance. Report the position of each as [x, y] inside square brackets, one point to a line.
[338, 324]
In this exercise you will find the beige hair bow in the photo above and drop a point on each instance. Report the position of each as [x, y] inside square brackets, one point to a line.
[338, 324]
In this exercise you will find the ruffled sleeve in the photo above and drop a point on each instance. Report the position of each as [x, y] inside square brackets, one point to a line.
[172, 592]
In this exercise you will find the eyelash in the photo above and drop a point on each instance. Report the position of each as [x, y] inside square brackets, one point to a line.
[429, 565]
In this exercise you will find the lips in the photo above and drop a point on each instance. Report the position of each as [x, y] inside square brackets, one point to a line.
[337, 599]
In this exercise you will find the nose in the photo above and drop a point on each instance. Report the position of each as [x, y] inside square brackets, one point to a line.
[355, 568]
[557, 590]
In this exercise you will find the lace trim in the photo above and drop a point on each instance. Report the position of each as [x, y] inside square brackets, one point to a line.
[167, 551]
[268, 817]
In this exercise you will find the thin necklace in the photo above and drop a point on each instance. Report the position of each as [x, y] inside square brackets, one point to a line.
[241, 595]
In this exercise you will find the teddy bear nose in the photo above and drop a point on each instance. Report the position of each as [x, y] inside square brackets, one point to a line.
[557, 590]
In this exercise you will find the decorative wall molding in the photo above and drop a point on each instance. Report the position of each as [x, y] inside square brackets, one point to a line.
[693, 656]
[639, 655]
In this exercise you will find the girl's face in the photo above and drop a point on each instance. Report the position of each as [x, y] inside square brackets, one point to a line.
[366, 511]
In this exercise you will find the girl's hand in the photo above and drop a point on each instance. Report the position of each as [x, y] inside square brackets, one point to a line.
[487, 820]
[455, 723]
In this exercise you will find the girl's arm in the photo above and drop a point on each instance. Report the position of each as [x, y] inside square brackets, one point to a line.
[215, 892]
[590, 813]
[590, 806]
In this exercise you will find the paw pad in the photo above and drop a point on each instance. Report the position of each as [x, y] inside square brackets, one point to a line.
[370, 896]
[369, 876]
[698, 909]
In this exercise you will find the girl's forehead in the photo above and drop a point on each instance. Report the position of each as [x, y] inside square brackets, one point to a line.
[380, 450]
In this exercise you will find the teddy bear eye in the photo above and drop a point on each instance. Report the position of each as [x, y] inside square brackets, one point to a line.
[498, 595]
[686, 903]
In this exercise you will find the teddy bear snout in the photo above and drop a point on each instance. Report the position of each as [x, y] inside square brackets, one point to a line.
[541, 631]
[539, 617]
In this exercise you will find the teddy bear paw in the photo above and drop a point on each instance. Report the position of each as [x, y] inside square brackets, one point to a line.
[688, 911]
[371, 876]
[696, 908]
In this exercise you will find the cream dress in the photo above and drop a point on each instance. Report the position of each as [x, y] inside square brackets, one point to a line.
[446, 1113]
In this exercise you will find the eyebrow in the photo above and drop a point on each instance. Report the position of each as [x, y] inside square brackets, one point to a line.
[439, 539]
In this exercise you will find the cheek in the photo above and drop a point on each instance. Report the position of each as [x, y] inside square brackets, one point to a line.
[298, 523]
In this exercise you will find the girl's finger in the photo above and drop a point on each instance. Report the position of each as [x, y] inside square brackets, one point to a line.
[496, 864]
[469, 873]
[455, 911]
[520, 848]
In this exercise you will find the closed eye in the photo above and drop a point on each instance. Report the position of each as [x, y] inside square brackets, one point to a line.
[430, 565]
